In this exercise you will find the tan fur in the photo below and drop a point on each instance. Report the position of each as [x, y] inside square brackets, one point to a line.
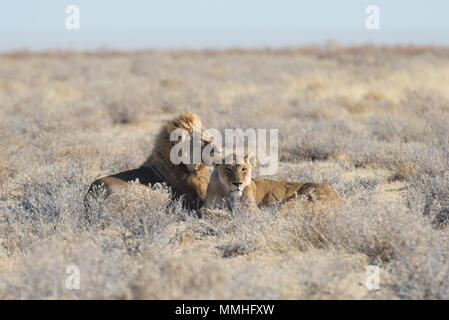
[222, 191]
[189, 181]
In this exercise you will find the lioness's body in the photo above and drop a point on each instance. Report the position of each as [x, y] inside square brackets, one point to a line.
[232, 182]
[189, 181]
[269, 192]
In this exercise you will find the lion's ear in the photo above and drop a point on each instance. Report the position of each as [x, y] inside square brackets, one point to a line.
[251, 159]
[170, 127]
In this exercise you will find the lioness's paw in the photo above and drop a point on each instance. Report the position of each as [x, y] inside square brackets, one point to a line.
[205, 212]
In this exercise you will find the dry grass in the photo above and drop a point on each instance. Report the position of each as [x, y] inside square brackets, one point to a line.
[371, 122]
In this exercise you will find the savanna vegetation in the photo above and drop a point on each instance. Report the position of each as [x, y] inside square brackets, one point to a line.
[371, 122]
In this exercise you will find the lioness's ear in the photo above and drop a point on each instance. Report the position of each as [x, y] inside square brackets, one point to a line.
[250, 158]
[212, 152]
[216, 164]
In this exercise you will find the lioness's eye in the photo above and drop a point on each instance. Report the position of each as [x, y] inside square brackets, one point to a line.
[228, 170]
[243, 169]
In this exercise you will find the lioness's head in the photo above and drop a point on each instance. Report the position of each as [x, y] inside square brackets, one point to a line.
[187, 127]
[235, 173]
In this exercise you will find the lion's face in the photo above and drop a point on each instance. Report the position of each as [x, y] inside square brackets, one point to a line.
[196, 136]
[235, 175]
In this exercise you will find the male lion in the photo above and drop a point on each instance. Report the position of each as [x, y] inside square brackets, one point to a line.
[231, 182]
[185, 179]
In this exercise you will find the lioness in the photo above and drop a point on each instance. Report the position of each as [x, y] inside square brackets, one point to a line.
[187, 180]
[232, 182]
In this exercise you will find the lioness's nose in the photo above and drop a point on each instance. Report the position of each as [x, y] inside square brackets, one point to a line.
[236, 184]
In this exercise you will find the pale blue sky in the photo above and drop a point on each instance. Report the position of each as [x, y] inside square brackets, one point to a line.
[140, 24]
